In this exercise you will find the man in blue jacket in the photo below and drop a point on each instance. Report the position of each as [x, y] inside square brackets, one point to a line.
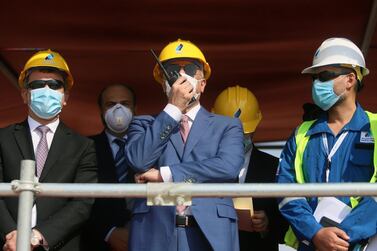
[185, 143]
[337, 147]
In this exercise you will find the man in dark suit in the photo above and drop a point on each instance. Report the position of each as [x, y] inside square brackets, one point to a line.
[107, 227]
[62, 156]
[267, 226]
[185, 143]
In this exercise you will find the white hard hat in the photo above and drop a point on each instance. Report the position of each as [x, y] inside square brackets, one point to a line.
[338, 51]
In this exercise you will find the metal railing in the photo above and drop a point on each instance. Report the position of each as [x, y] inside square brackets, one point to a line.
[158, 193]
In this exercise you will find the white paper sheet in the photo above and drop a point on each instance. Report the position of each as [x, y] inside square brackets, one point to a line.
[332, 208]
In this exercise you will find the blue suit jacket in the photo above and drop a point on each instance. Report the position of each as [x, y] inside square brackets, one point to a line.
[213, 154]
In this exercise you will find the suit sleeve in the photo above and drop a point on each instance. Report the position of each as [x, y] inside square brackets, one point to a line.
[7, 223]
[148, 138]
[68, 220]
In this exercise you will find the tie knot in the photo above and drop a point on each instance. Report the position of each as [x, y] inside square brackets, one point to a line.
[184, 118]
[120, 142]
[43, 129]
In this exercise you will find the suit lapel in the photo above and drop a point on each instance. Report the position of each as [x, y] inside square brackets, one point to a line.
[59, 143]
[177, 142]
[103, 148]
[24, 141]
[253, 173]
[199, 126]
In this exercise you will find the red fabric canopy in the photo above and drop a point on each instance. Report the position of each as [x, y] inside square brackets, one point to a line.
[261, 45]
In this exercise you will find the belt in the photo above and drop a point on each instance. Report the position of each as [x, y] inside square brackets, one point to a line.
[185, 221]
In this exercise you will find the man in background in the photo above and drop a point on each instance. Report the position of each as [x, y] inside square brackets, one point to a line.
[266, 228]
[107, 228]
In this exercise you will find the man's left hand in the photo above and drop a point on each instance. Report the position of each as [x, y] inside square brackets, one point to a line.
[152, 175]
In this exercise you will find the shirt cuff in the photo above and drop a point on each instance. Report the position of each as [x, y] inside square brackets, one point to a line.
[166, 174]
[107, 237]
[173, 112]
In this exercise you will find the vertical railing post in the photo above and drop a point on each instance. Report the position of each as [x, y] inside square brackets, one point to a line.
[25, 205]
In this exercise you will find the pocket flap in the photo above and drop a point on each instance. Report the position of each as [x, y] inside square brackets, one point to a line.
[226, 211]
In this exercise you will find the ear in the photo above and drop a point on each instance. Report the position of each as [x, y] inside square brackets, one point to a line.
[202, 85]
[25, 95]
[351, 81]
[66, 96]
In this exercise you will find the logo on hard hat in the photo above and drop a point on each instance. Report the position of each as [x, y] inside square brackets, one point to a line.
[316, 53]
[49, 57]
[237, 114]
[178, 49]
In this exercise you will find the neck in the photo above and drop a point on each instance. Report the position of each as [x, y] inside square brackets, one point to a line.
[192, 105]
[115, 134]
[340, 115]
[42, 121]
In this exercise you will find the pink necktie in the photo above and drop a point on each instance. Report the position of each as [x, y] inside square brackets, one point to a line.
[184, 130]
[42, 149]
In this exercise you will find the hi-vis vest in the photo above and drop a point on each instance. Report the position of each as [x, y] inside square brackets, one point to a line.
[301, 141]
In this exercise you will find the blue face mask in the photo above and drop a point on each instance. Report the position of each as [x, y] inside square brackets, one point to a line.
[46, 103]
[323, 94]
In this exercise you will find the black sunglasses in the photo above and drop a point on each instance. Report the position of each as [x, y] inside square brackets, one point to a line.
[52, 84]
[190, 68]
[324, 76]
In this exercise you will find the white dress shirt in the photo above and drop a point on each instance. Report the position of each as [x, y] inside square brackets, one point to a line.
[245, 167]
[36, 137]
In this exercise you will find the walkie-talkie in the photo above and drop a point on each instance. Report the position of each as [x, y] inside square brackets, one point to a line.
[170, 77]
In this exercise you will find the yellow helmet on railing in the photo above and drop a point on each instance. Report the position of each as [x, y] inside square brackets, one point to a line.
[239, 102]
[46, 58]
[181, 49]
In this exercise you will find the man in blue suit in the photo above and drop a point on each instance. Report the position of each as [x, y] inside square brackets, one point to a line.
[185, 143]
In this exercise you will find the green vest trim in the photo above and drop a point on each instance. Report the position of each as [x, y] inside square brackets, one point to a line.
[301, 142]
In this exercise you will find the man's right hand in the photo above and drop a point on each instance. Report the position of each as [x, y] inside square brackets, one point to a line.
[10, 241]
[118, 239]
[331, 239]
[181, 93]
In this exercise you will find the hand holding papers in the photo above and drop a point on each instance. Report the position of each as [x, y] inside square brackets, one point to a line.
[245, 210]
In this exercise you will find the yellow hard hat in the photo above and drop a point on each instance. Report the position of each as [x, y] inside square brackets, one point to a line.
[46, 58]
[239, 102]
[180, 49]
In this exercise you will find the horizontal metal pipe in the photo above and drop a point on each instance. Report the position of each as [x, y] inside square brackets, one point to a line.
[201, 190]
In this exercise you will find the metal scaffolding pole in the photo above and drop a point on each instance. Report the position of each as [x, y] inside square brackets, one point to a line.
[25, 205]
[197, 190]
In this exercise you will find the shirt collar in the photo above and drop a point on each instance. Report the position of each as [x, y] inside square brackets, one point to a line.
[359, 122]
[33, 124]
[112, 137]
[191, 114]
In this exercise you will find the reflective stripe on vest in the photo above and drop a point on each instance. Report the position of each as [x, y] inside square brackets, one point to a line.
[301, 142]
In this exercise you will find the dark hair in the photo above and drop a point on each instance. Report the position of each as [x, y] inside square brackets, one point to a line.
[127, 87]
[46, 69]
[311, 111]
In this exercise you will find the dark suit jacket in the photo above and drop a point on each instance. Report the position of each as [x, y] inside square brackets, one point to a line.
[262, 169]
[71, 159]
[106, 213]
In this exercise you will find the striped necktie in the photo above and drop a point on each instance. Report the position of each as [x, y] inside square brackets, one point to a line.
[42, 148]
[120, 161]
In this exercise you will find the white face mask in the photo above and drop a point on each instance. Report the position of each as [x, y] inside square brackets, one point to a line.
[191, 80]
[167, 89]
[118, 118]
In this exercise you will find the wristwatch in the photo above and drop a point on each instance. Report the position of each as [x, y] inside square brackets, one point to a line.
[35, 240]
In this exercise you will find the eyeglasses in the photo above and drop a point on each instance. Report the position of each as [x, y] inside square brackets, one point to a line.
[324, 76]
[51, 83]
[189, 68]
